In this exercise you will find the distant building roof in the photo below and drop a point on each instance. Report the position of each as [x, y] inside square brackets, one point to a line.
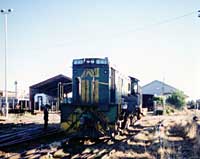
[9, 93]
[158, 88]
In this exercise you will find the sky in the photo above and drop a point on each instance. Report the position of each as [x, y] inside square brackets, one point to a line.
[147, 39]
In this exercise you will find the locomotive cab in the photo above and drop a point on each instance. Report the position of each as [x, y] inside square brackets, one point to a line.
[136, 92]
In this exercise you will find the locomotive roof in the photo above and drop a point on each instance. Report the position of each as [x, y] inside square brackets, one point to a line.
[95, 58]
[137, 80]
[90, 61]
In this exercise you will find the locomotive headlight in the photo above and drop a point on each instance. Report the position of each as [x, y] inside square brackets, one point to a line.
[92, 61]
[88, 61]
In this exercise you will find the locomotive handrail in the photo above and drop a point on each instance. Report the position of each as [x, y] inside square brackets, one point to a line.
[64, 84]
[103, 83]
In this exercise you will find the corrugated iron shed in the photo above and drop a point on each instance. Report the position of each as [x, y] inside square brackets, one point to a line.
[49, 87]
[158, 88]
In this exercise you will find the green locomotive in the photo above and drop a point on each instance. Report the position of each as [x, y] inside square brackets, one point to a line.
[101, 97]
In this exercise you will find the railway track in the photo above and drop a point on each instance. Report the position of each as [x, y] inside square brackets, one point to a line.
[13, 137]
[84, 148]
[51, 150]
[146, 139]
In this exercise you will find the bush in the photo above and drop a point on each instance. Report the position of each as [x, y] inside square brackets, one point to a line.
[159, 100]
[169, 109]
[177, 99]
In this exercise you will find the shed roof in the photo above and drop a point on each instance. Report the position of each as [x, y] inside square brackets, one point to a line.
[158, 88]
[50, 85]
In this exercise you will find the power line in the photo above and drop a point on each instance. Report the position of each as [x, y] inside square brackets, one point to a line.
[117, 35]
[173, 19]
[160, 23]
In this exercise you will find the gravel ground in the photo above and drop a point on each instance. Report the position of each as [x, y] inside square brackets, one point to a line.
[27, 118]
[169, 136]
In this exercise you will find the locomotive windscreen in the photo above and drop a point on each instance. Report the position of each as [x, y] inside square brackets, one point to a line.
[90, 61]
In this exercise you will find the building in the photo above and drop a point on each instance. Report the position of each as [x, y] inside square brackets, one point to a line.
[12, 99]
[158, 88]
[46, 92]
[155, 88]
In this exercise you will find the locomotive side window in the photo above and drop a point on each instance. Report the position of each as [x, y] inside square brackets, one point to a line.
[129, 86]
[112, 88]
[135, 88]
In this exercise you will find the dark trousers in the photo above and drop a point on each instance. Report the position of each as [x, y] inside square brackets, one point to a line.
[45, 124]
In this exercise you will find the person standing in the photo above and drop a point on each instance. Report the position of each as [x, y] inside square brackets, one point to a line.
[46, 116]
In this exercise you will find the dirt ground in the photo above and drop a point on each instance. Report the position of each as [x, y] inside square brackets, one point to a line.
[174, 136]
[27, 118]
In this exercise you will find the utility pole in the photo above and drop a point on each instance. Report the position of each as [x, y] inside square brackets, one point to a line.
[15, 99]
[15, 89]
[5, 13]
[163, 94]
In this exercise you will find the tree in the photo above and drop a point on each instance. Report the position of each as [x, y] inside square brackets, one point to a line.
[177, 99]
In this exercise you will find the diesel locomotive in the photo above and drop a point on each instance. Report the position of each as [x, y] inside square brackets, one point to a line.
[101, 97]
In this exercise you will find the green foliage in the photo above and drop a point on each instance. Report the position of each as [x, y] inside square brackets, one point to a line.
[169, 110]
[159, 100]
[177, 99]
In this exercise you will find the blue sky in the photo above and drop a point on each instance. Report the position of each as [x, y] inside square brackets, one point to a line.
[147, 39]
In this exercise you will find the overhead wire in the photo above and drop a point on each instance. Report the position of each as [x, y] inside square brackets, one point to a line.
[118, 35]
[170, 20]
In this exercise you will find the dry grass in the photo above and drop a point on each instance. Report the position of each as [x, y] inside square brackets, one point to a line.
[184, 129]
[196, 144]
[142, 141]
